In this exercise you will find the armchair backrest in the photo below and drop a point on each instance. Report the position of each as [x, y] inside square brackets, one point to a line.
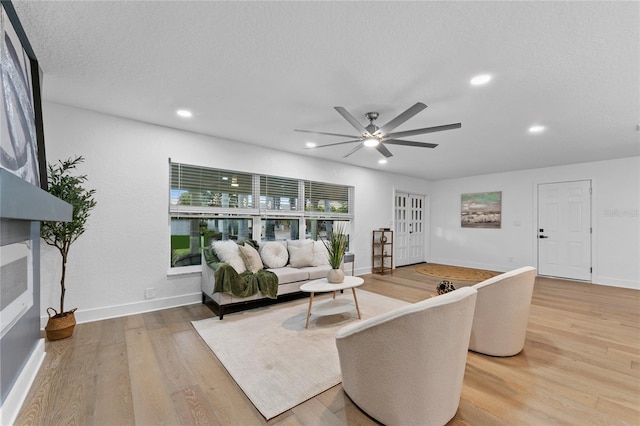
[407, 366]
[502, 312]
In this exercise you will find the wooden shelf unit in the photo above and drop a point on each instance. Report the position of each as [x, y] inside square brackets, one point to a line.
[382, 252]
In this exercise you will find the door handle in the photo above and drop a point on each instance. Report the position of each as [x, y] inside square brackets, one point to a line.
[542, 236]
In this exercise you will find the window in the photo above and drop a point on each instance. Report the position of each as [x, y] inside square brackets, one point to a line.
[320, 229]
[198, 189]
[279, 194]
[327, 199]
[207, 205]
[279, 229]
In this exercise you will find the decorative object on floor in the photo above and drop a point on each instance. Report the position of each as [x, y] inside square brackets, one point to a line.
[406, 366]
[378, 137]
[272, 357]
[60, 326]
[445, 286]
[455, 273]
[70, 188]
[481, 210]
[502, 312]
[336, 248]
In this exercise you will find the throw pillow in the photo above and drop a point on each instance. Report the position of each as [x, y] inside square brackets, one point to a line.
[320, 254]
[274, 254]
[251, 258]
[302, 256]
[229, 252]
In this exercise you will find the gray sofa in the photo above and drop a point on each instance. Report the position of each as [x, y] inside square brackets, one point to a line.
[297, 269]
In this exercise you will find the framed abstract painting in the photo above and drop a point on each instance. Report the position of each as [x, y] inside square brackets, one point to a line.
[481, 210]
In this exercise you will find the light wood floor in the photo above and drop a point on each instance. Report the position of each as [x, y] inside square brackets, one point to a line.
[580, 366]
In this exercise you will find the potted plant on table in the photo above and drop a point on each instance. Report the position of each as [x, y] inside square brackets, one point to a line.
[336, 247]
[70, 188]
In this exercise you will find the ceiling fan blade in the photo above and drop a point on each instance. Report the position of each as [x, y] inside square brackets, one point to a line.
[325, 133]
[354, 150]
[423, 131]
[411, 143]
[400, 119]
[355, 123]
[334, 144]
[383, 150]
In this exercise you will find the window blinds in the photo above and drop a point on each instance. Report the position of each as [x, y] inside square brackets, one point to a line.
[280, 194]
[198, 189]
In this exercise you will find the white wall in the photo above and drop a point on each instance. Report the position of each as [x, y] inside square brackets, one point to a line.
[615, 220]
[126, 246]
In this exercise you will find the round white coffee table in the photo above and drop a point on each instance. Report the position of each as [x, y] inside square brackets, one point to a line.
[334, 306]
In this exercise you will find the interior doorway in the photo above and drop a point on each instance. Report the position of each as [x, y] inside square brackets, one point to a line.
[409, 235]
[564, 230]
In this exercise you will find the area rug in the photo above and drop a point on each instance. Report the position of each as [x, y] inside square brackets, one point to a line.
[456, 272]
[274, 359]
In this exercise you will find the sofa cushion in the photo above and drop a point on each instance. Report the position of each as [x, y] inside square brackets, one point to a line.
[251, 258]
[317, 272]
[288, 274]
[274, 254]
[301, 256]
[228, 252]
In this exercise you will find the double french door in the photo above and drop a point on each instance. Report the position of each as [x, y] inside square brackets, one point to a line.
[409, 235]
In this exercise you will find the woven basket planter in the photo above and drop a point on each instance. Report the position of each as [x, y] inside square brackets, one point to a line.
[60, 326]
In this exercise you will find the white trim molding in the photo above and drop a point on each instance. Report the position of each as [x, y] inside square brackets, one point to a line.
[107, 312]
[13, 403]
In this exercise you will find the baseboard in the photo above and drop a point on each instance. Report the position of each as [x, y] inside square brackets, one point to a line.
[616, 282]
[12, 404]
[98, 314]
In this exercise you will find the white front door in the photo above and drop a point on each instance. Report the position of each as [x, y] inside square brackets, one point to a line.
[409, 229]
[564, 230]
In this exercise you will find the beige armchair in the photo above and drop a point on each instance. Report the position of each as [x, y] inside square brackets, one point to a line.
[502, 312]
[405, 367]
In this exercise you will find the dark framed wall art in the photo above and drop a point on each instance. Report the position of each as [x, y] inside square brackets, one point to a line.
[21, 136]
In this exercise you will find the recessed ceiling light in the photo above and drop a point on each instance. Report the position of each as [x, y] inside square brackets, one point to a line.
[382, 161]
[536, 129]
[184, 113]
[311, 144]
[481, 79]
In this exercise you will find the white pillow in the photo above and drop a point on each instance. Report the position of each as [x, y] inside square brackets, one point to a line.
[302, 256]
[274, 254]
[229, 252]
[320, 254]
[251, 258]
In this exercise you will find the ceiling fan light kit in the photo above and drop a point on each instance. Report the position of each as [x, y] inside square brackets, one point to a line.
[377, 137]
[371, 142]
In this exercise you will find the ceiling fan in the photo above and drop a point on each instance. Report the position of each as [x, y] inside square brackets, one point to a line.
[378, 137]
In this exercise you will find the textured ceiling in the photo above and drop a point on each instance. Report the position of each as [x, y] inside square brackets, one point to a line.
[254, 71]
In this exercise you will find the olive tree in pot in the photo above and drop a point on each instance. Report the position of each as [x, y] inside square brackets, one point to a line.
[336, 247]
[70, 188]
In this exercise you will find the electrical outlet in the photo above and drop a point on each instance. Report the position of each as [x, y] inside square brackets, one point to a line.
[149, 293]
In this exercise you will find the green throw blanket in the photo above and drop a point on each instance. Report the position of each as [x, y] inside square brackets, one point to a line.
[227, 280]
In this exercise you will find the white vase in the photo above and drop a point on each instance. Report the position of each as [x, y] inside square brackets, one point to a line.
[335, 276]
